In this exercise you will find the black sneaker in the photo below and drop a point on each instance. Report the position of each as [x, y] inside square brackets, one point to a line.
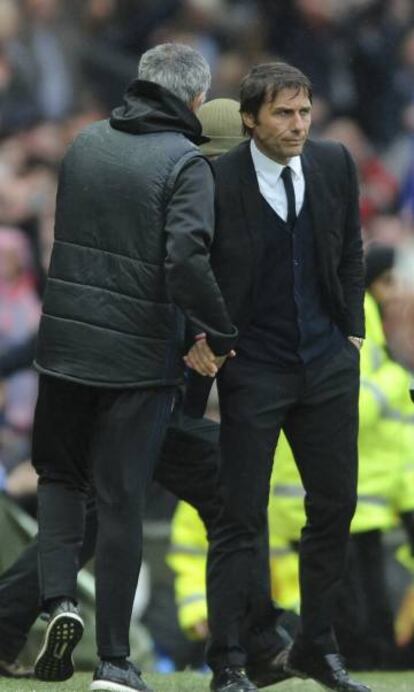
[14, 670]
[112, 678]
[231, 679]
[64, 631]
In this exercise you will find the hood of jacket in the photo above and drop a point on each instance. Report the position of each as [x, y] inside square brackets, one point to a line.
[148, 108]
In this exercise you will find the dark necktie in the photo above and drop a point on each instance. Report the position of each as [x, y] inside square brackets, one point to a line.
[286, 176]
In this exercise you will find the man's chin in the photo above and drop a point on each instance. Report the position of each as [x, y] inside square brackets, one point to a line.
[295, 149]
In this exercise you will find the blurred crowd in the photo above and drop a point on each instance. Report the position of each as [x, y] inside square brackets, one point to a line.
[64, 63]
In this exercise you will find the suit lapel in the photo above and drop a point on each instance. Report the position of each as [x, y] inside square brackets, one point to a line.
[251, 201]
[319, 200]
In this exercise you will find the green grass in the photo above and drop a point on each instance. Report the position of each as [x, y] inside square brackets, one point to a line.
[192, 682]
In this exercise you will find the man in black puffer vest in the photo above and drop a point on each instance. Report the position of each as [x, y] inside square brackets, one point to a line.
[134, 222]
[187, 467]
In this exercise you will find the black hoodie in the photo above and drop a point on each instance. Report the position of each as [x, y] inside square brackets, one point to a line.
[134, 222]
[149, 108]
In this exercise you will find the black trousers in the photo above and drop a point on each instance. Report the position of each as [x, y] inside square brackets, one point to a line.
[365, 626]
[188, 468]
[108, 439]
[317, 407]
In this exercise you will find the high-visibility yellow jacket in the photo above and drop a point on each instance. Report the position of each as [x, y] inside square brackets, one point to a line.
[386, 433]
[187, 558]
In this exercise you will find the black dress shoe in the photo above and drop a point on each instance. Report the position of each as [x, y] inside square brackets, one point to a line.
[15, 670]
[329, 670]
[269, 671]
[54, 662]
[231, 679]
[110, 677]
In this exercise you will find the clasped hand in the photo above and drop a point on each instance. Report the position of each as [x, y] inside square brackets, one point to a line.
[201, 358]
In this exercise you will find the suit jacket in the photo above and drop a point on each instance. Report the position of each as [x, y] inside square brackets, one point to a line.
[332, 192]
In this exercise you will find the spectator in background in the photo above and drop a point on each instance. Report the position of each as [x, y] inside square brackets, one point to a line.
[18, 107]
[50, 49]
[19, 319]
[398, 311]
[230, 70]
[107, 64]
[140, 20]
[374, 35]
[405, 80]
[28, 188]
[378, 187]
[407, 191]
[387, 229]
[305, 34]
[386, 477]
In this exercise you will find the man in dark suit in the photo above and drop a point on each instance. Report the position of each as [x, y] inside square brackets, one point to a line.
[288, 258]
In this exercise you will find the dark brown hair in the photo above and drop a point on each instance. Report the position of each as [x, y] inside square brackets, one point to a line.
[263, 83]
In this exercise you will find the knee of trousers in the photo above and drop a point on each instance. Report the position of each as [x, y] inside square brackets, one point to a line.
[331, 515]
[241, 531]
[123, 506]
[68, 482]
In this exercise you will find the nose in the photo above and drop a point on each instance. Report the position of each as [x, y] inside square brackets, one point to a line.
[298, 122]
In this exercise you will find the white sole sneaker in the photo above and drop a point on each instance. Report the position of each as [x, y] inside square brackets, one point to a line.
[107, 686]
[54, 662]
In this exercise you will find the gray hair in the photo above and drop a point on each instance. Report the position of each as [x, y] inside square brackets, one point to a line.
[178, 68]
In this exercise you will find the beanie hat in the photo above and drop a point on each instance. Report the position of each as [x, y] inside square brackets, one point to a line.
[222, 124]
[378, 259]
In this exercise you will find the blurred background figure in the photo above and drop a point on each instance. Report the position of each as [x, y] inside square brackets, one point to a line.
[19, 318]
[378, 185]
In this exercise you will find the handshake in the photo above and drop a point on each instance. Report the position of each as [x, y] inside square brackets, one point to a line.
[201, 358]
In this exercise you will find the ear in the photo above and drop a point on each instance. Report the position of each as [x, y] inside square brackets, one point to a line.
[248, 120]
[197, 102]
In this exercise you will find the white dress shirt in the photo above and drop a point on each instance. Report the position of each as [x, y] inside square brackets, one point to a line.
[271, 185]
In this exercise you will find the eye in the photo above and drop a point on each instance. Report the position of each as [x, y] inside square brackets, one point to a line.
[283, 112]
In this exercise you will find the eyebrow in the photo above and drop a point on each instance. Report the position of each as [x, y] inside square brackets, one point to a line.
[289, 108]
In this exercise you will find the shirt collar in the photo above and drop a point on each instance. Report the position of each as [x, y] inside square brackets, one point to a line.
[270, 169]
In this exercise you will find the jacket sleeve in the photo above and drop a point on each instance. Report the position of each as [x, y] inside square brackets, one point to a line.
[189, 227]
[351, 268]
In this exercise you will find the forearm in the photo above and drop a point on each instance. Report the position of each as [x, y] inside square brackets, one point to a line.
[190, 278]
